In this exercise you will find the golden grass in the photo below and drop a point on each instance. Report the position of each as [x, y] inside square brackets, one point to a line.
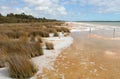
[49, 45]
[20, 67]
[21, 41]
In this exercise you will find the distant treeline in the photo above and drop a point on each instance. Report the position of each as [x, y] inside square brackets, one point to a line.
[22, 18]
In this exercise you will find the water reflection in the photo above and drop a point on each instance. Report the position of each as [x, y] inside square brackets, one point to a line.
[104, 53]
[103, 42]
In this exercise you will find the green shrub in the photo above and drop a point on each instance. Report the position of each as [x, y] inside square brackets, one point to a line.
[49, 45]
[20, 67]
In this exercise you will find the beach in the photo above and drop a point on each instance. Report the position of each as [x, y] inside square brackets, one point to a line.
[59, 39]
[47, 60]
[91, 56]
[90, 52]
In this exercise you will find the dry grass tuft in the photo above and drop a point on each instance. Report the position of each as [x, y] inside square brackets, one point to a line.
[49, 45]
[21, 41]
[20, 67]
[39, 39]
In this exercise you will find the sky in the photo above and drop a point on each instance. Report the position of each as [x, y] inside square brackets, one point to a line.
[69, 10]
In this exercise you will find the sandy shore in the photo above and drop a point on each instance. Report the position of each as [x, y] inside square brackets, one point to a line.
[111, 32]
[92, 57]
[54, 58]
[47, 60]
[77, 26]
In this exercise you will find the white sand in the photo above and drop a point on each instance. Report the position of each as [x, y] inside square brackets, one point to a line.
[78, 26]
[4, 73]
[47, 60]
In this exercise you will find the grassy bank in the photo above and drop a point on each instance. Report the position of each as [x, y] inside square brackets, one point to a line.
[19, 42]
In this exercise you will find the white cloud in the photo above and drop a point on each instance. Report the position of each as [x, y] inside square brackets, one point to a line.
[38, 8]
[50, 7]
[57, 8]
[5, 10]
[103, 6]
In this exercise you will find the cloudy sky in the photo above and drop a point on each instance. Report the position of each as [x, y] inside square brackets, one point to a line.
[71, 10]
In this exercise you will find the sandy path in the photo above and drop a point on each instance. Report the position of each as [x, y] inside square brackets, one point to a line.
[86, 59]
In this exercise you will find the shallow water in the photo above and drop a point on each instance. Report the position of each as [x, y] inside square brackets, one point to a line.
[106, 52]
[88, 58]
[105, 23]
[102, 46]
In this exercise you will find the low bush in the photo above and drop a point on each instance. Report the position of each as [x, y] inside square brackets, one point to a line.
[51, 30]
[24, 38]
[20, 67]
[58, 29]
[62, 29]
[22, 48]
[49, 45]
[39, 39]
[65, 29]
[2, 57]
[32, 38]
[56, 34]
[38, 48]
[66, 34]
[13, 35]
[40, 33]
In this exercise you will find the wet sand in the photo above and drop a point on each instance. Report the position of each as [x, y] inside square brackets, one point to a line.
[87, 58]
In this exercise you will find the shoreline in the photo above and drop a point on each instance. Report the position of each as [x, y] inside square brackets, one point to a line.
[79, 26]
[86, 58]
[47, 60]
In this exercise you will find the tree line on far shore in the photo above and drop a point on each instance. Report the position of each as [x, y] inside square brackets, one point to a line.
[22, 18]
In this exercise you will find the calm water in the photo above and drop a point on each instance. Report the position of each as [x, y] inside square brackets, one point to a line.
[103, 52]
[105, 23]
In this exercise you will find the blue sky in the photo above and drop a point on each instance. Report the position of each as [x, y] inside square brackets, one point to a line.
[70, 10]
